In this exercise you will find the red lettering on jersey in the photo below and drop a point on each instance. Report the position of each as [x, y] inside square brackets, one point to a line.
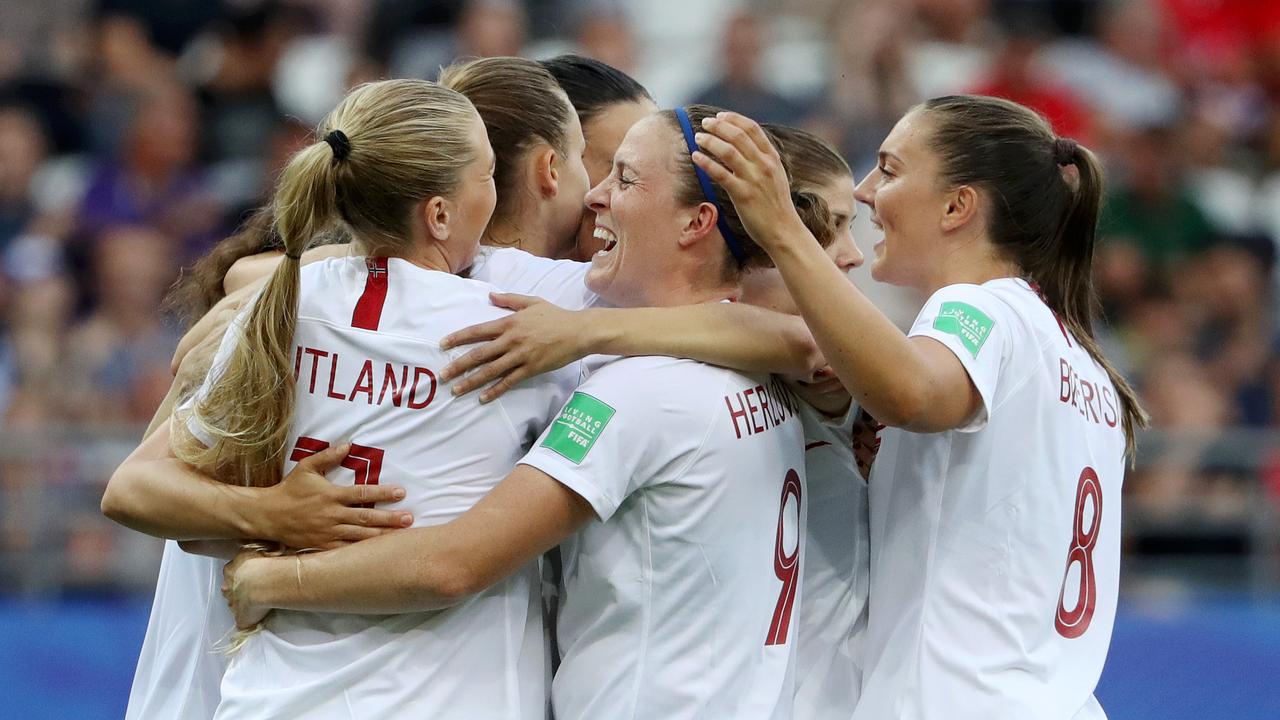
[776, 404]
[786, 566]
[364, 383]
[367, 464]
[413, 390]
[306, 447]
[1089, 392]
[315, 362]
[735, 414]
[333, 375]
[297, 363]
[1094, 400]
[1064, 390]
[389, 379]
[765, 412]
[1109, 415]
[368, 312]
[746, 395]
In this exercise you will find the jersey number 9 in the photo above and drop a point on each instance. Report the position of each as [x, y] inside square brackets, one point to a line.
[786, 565]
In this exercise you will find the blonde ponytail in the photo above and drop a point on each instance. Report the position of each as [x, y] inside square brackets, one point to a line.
[247, 413]
[386, 147]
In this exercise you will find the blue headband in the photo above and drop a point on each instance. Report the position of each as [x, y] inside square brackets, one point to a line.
[709, 192]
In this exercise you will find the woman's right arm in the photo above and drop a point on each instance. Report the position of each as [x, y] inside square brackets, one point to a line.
[421, 569]
[541, 336]
[155, 493]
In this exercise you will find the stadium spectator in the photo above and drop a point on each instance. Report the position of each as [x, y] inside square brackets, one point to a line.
[154, 181]
[1149, 206]
[120, 354]
[741, 86]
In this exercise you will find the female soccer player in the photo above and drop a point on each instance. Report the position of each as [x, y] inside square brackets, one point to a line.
[608, 102]
[835, 565]
[682, 481]
[347, 354]
[536, 136]
[995, 516]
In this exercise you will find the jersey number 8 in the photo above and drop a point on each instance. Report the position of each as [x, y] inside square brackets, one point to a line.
[1073, 623]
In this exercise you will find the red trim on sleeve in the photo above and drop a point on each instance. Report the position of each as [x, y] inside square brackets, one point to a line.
[368, 311]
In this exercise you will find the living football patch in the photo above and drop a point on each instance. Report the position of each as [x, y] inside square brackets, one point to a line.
[966, 322]
[579, 425]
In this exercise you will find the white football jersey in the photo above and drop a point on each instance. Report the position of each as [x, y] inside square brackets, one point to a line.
[366, 361]
[562, 282]
[180, 668]
[680, 599]
[833, 619]
[995, 548]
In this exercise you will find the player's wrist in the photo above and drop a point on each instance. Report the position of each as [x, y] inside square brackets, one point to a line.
[596, 334]
[255, 509]
[266, 583]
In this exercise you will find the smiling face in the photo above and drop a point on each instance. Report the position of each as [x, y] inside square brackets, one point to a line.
[638, 218]
[907, 200]
[604, 133]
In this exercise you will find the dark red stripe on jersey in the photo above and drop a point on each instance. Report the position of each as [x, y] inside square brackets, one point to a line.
[368, 311]
[817, 444]
[306, 447]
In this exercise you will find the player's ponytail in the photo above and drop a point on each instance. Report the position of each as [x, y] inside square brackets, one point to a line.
[247, 413]
[384, 149]
[1045, 195]
[1065, 274]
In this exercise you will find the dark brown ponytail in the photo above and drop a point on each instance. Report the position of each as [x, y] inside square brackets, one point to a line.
[1046, 194]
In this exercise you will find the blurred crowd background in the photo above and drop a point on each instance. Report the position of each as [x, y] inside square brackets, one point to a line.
[134, 134]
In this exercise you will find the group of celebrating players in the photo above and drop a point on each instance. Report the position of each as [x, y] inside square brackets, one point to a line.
[527, 399]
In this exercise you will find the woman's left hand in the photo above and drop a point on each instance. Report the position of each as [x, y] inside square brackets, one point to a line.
[749, 167]
[239, 581]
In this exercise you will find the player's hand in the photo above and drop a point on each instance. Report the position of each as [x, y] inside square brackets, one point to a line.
[537, 338]
[748, 166]
[307, 511]
[866, 442]
[239, 583]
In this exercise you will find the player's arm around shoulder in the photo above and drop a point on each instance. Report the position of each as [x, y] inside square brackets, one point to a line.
[415, 570]
[155, 493]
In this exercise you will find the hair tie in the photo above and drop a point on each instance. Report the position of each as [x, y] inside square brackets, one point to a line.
[709, 191]
[1064, 151]
[291, 256]
[340, 143]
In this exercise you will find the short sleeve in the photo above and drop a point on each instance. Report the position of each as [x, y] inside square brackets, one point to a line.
[621, 430]
[972, 323]
[563, 282]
